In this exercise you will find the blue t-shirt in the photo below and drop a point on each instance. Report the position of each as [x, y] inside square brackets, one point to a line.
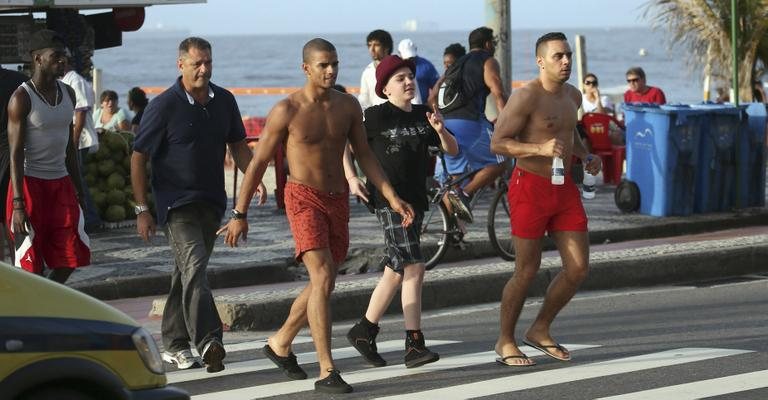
[186, 144]
[426, 76]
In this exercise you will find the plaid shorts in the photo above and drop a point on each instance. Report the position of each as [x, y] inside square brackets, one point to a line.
[402, 244]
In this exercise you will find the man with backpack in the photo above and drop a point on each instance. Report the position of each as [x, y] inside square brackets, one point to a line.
[461, 99]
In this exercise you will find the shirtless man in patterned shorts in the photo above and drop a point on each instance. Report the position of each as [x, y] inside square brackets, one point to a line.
[314, 124]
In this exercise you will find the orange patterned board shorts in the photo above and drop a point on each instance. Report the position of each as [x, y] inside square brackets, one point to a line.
[318, 220]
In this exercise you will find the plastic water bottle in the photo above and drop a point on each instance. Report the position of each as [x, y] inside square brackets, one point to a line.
[558, 171]
[588, 188]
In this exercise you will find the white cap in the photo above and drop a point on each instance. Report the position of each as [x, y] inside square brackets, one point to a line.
[407, 49]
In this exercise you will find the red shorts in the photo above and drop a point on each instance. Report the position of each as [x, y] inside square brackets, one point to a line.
[538, 206]
[318, 220]
[57, 237]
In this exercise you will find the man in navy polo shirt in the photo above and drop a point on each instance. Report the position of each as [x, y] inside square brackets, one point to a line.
[184, 133]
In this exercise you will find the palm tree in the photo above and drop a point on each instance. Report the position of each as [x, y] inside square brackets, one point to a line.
[704, 26]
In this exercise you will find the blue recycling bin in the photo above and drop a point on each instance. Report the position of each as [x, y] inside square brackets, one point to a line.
[662, 156]
[751, 161]
[716, 181]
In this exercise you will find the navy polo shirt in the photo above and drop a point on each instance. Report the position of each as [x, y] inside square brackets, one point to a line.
[186, 144]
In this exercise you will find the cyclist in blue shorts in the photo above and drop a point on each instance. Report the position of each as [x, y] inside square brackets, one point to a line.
[468, 123]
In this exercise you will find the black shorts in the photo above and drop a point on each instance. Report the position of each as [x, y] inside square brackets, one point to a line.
[402, 244]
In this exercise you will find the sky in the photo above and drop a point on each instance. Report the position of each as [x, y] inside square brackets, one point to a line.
[225, 17]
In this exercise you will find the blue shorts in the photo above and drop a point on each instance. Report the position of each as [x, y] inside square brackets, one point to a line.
[474, 140]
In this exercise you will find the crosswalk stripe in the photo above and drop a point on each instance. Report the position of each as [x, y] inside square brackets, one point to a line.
[553, 377]
[253, 344]
[366, 375]
[701, 389]
[303, 358]
[258, 344]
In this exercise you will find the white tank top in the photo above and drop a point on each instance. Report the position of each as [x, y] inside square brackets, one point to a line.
[45, 144]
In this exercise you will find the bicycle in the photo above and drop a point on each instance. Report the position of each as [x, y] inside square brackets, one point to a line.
[441, 228]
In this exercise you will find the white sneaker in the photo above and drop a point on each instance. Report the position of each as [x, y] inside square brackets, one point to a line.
[460, 204]
[182, 359]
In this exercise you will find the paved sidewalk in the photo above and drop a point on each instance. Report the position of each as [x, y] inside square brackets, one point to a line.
[124, 266]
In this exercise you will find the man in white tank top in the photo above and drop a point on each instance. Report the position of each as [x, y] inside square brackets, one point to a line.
[44, 209]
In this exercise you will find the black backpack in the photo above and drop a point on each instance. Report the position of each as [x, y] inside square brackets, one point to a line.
[451, 94]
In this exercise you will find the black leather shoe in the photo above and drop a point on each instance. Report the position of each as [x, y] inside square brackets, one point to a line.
[287, 364]
[364, 341]
[416, 352]
[333, 383]
[213, 356]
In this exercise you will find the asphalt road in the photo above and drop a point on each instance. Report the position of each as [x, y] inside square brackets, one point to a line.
[700, 340]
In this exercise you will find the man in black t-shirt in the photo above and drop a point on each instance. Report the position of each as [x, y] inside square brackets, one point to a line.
[9, 82]
[399, 133]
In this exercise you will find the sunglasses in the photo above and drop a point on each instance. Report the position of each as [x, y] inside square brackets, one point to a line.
[590, 83]
[632, 80]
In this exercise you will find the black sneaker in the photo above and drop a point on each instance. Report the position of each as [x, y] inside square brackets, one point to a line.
[213, 356]
[287, 364]
[364, 341]
[460, 203]
[416, 353]
[333, 383]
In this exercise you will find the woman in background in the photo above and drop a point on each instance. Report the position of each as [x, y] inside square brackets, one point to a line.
[109, 116]
[592, 101]
[137, 102]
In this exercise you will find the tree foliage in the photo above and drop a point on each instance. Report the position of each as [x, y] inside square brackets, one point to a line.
[704, 28]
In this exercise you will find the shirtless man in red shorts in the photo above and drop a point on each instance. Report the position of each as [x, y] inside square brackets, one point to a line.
[537, 124]
[314, 124]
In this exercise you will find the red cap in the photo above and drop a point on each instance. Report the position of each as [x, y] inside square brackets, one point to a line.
[386, 68]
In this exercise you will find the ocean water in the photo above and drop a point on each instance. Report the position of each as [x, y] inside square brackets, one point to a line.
[275, 61]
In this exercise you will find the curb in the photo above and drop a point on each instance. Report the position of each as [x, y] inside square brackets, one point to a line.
[158, 284]
[482, 248]
[484, 284]
[153, 284]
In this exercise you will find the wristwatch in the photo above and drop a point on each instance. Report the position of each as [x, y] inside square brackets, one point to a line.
[238, 215]
[140, 208]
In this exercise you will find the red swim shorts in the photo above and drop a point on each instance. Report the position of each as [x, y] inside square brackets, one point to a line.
[57, 237]
[318, 220]
[538, 206]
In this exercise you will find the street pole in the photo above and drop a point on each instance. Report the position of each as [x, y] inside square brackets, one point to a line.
[735, 52]
[497, 17]
[707, 74]
[735, 57]
[581, 64]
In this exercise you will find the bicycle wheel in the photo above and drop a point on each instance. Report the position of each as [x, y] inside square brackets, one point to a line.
[434, 235]
[500, 227]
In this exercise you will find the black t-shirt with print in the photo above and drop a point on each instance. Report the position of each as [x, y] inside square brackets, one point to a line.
[400, 141]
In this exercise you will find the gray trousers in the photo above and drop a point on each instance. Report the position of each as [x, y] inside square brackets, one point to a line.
[190, 314]
[91, 214]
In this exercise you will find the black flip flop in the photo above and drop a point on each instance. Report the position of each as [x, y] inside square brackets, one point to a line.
[545, 349]
[287, 364]
[503, 361]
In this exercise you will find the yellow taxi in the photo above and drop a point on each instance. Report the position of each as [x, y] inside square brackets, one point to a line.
[58, 343]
